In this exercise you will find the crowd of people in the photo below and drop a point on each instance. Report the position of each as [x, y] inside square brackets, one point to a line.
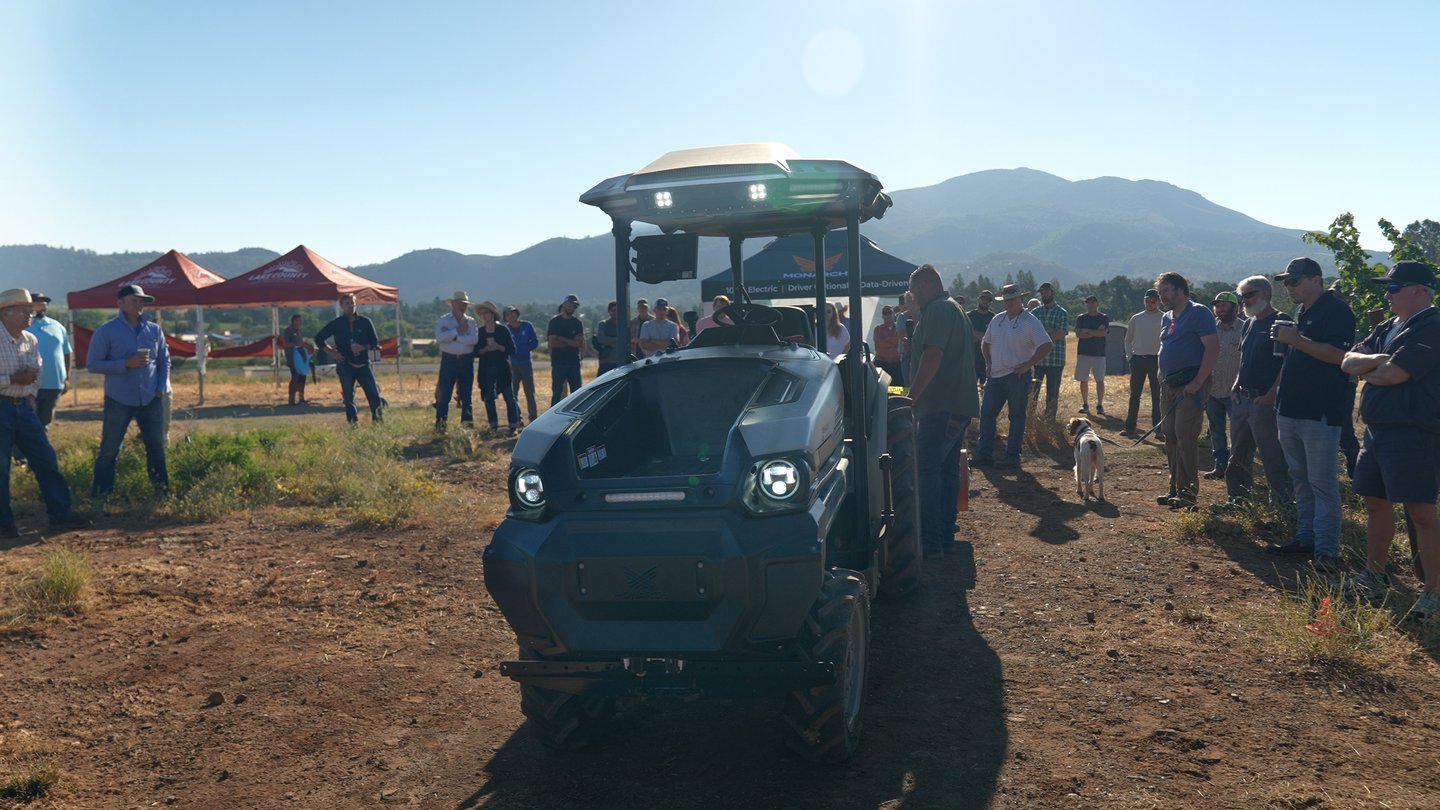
[1265, 382]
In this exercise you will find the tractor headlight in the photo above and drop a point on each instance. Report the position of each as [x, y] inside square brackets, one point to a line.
[528, 488]
[779, 480]
[776, 485]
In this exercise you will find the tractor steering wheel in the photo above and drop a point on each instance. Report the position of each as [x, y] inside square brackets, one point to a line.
[743, 314]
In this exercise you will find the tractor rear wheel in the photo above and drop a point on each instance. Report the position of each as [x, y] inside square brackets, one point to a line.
[900, 572]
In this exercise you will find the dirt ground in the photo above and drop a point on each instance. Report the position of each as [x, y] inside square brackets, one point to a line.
[1070, 655]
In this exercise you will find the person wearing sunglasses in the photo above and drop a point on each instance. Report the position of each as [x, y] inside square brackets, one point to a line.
[1401, 410]
[1252, 403]
[1314, 405]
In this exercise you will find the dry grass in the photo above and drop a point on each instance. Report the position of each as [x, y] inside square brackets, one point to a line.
[57, 585]
[26, 775]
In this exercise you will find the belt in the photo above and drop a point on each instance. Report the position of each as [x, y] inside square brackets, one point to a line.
[15, 400]
[1249, 393]
[1133, 356]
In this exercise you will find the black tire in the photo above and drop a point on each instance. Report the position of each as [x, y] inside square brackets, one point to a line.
[823, 723]
[561, 720]
[901, 561]
[564, 721]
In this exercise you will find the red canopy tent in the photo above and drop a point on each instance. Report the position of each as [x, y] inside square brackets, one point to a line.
[302, 278]
[173, 279]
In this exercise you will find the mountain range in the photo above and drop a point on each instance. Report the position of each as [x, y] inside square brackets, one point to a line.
[988, 222]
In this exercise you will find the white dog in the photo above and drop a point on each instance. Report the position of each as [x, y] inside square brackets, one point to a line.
[1089, 459]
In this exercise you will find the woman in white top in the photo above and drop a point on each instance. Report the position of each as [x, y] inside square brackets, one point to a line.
[837, 337]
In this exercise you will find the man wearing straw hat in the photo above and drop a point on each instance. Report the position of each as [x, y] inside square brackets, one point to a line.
[20, 369]
[130, 351]
[1014, 342]
[456, 334]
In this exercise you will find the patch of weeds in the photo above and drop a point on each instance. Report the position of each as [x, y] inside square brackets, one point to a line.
[1201, 525]
[1193, 615]
[1341, 638]
[27, 777]
[56, 585]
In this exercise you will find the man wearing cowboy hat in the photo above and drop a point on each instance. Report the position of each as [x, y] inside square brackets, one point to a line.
[1014, 342]
[455, 333]
[130, 351]
[21, 366]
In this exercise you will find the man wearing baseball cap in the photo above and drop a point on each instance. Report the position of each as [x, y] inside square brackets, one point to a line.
[130, 351]
[1401, 410]
[1230, 329]
[522, 371]
[565, 338]
[1314, 405]
[55, 349]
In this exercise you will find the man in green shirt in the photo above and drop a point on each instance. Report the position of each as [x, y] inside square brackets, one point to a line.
[1056, 321]
[942, 365]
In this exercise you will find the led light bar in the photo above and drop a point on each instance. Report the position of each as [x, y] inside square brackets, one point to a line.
[645, 497]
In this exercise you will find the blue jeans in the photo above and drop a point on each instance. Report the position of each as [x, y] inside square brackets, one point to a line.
[115, 421]
[938, 440]
[1312, 452]
[562, 374]
[455, 370]
[1217, 411]
[1254, 429]
[21, 429]
[999, 392]
[365, 376]
[494, 380]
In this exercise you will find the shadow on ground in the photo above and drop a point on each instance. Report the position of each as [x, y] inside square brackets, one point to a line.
[934, 735]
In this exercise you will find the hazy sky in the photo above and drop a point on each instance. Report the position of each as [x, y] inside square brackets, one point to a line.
[366, 130]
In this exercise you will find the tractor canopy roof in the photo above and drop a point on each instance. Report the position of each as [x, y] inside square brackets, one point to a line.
[758, 189]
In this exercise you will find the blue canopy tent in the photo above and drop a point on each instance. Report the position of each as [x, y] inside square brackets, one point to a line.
[785, 268]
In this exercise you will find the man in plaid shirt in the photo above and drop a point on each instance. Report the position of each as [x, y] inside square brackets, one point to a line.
[1057, 324]
[19, 425]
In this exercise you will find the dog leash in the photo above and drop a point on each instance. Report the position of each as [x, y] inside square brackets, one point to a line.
[1154, 427]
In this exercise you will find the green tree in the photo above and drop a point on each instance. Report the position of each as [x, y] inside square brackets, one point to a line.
[1425, 234]
[1353, 265]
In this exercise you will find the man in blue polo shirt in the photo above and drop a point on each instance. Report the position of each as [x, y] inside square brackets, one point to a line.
[1188, 350]
[1314, 405]
[130, 351]
[1401, 409]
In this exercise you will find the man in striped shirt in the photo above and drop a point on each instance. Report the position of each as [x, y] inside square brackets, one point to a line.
[20, 365]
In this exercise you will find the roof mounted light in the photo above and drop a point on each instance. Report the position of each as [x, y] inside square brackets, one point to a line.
[757, 192]
[663, 199]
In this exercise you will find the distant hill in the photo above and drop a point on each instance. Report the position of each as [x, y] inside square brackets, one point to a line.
[1093, 229]
[1069, 231]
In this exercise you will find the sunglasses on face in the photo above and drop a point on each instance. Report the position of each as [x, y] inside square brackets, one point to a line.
[1293, 282]
[1396, 286]
[1246, 296]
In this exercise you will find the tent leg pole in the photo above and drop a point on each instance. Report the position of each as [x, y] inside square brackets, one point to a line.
[74, 359]
[399, 373]
[620, 229]
[275, 344]
[200, 351]
[821, 336]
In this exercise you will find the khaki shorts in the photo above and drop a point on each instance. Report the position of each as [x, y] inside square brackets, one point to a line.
[1085, 366]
